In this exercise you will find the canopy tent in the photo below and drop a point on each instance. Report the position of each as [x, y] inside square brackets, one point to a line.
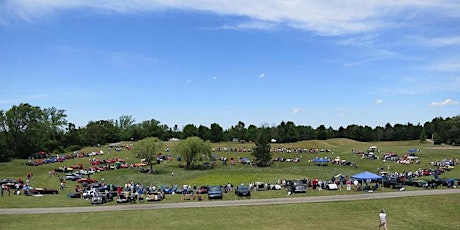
[367, 176]
[321, 161]
[364, 176]
[413, 150]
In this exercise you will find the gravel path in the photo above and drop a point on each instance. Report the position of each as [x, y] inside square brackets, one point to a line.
[219, 203]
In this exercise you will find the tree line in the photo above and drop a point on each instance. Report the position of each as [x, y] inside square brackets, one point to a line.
[26, 129]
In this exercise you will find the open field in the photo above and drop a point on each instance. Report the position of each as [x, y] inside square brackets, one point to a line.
[421, 212]
[425, 212]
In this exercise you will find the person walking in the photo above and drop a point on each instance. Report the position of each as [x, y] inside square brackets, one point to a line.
[383, 219]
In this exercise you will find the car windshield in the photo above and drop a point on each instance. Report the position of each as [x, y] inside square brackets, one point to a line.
[243, 188]
[297, 183]
[214, 189]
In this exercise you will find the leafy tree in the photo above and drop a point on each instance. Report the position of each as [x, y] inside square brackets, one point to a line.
[189, 131]
[262, 154]
[101, 132]
[204, 132]
[252, 133]
[423, 136]
[152, 128]
[22, 126]
[437, 139]
[148, 149]
[216, 132]
[126, 125]
[321, 132]
[191, 147]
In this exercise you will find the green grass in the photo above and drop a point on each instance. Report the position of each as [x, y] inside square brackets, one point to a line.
[425, 212]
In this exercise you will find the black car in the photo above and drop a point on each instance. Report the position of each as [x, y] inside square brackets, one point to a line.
[243, 190]
[392, 182]
[215, 192]
[297, 186]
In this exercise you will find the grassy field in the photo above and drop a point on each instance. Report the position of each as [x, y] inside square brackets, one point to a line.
[426, 212]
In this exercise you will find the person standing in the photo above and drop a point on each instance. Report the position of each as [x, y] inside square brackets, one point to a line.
[348, 185]
[383, 219]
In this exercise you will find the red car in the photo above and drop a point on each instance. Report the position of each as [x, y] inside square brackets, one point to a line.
[86, 180]
[43, 191]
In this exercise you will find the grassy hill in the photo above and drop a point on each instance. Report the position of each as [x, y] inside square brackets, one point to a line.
[223, 174]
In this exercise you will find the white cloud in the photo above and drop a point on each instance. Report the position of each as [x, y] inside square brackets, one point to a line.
[446, 102]
[378, 101]
[262, 75]
[296, 110]
[321, 17]
[442, 41]
[188, 81]
[448, 65]
[214, 78]
[257, 25]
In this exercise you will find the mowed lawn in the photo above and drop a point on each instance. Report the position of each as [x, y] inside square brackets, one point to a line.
[424, 212]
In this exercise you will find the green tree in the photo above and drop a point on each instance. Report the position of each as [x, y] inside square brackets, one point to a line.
[189, 131]
[22, 126]
[101, 132]
[262, 154]
[204, 132]
[148, 150]
[217, 134]
[191, 147]
[423, 136]
[126, 125]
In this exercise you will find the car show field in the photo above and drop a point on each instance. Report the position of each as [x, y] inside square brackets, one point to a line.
[293, 162]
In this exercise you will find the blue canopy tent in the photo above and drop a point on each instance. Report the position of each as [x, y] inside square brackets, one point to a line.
[365, 176]
[321, 161]
[413, 150]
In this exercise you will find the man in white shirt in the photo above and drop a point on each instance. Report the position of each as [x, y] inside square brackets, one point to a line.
[383, 219]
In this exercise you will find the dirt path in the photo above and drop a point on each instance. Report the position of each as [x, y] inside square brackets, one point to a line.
[218, 203]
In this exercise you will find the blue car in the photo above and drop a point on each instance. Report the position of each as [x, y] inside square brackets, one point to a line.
[215, 192]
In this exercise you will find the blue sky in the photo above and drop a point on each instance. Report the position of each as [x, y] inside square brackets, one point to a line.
[200, 62]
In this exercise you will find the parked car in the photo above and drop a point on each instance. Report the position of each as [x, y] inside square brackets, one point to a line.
[155, 196]
[73, 176]
[99, 198]
[392, 182]
[124, 198]
[215, 192]
[297, 186]
[416, 183]
[86, 180]
[43, 191]
[243, 190]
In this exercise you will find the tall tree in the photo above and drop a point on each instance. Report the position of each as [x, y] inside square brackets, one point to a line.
[191, 147]
[101, 132]
[22, 127]
[204, 132]
[262, 154]
[148, 150]
[189, 131]
[216, 132]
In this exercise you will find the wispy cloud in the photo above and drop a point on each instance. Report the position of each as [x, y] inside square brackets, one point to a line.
[252, 25]
[440, 41]
[262, 75]
[447, 65]
[446, 102]
[378, 101]
[296, 110]
[320, 17]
